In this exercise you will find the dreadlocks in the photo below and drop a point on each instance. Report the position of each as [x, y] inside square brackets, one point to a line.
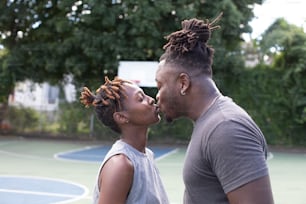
[188, 47]
[108, 99]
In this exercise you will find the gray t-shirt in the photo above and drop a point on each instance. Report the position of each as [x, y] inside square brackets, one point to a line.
[147, 187]
[226, 151]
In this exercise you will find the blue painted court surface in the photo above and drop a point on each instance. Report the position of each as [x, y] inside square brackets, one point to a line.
[64, 172]
[41, 190]
[36, 190]
[96, 154]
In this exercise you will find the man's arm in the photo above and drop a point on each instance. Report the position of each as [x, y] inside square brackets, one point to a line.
[256, 192]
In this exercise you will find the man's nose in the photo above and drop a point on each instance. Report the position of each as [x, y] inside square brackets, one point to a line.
[157, 96]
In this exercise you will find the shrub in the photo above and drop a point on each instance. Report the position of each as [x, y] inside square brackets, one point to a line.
[23, 119]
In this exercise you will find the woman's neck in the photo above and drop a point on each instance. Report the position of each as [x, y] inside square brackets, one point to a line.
[136, 137]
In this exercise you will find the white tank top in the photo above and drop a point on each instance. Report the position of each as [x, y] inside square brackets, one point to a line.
[147, 187]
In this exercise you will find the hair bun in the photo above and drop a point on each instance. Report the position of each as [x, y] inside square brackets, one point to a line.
[199, 30]
[193, 31]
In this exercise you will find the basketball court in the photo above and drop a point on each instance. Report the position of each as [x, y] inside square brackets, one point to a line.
[37, 171]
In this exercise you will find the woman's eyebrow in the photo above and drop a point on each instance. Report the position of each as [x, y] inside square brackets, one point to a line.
[138, 93]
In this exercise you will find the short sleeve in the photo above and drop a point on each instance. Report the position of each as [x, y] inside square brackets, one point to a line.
[236, 153]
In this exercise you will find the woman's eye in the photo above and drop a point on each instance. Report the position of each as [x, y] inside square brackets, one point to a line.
[140, 98]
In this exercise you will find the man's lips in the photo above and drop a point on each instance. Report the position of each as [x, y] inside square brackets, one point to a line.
[157, 109]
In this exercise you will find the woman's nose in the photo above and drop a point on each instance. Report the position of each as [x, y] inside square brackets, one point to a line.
[151, 100]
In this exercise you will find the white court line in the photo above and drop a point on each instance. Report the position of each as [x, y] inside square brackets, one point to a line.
[80, 149]
[38, 193]
[270, 156]
[54, 158]
[72, 197]
[167, 154]
[19, 154]
[5, 143]
[8, 142]
[171, 164]
[58, 157]
[75, 197]
[25, 155]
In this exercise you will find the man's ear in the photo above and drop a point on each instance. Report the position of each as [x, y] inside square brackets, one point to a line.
[120, 118]
[185, 82]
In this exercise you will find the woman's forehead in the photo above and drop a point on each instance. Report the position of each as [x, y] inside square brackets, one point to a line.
[131, 88]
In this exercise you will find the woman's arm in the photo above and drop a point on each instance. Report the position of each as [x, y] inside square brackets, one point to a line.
[115, 180]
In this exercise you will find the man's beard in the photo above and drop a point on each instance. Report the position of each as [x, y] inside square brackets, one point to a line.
[168, 119]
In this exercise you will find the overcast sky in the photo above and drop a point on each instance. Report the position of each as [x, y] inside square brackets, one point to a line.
[294, 11]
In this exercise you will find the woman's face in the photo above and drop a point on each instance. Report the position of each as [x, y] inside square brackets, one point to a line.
[140, 108]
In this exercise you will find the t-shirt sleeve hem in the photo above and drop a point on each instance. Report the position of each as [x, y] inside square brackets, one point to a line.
[244, 180]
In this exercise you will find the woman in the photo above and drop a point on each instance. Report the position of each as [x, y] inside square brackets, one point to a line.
[128, 173]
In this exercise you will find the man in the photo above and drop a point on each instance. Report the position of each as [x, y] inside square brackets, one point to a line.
[226, 156]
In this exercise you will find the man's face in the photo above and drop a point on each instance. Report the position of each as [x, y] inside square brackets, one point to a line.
[168, 97]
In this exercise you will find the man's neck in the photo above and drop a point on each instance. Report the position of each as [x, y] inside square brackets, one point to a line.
[202, 98]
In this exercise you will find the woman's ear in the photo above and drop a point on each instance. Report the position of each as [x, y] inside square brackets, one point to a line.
[185, 82]
[120, 118]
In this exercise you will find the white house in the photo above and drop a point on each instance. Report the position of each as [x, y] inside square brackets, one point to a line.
[45, 97]
[41, 97]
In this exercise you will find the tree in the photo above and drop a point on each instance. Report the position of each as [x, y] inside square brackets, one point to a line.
[292, 60]
[286, 44]
[273, 39]
[48, 39]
